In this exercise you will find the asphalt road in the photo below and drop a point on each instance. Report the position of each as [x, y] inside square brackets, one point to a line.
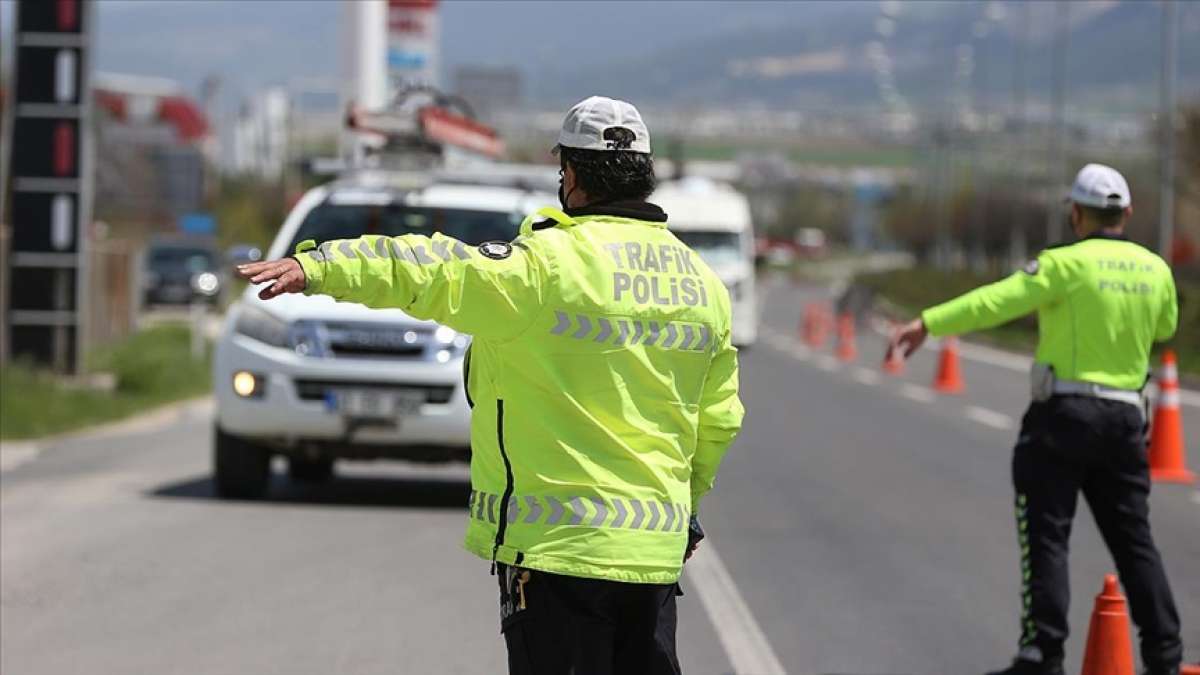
[866, 523]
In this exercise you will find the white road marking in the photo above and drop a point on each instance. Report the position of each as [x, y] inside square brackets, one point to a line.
[990, 418]
[801, 352]
[13, 455]
[827, 363]
[866, 376]
[916, 392]
[742, 638]
[776, 340]
[1196, 497]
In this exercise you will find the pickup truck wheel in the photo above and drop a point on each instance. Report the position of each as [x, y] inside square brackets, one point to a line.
[310, 470]
[241, 470]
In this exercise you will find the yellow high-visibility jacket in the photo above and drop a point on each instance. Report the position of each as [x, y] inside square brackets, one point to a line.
[1102, 303]
[603, 380]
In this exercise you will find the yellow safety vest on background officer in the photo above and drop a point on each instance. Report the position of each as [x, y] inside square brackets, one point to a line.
[1101, 304]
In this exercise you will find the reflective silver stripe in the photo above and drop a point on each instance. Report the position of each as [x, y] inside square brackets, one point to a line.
[366, 249]
[585, 327]
[346, 249]
[471, 504]
[556, 511]
[535, 509]
[513, 510]
[381, 248]
[688, 335]
[652, 332]
[637, 332]
[705, 336]
[619, 507]
[577, 510]
[622, 332]
[672, 333]
[652, 506]
[421, 256]
[442, 250]
[491, 507]
[601, 512]
[639, 514]
[605, 330]
[580, 511]
[564, 322]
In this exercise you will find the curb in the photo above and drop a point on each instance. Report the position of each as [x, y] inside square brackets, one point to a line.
[15, 453]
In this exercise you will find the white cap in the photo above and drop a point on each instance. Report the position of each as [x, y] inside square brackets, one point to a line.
[590, 123]
[1100, 186]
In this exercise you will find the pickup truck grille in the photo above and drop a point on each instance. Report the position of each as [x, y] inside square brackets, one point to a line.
[351, 340]
[316, 390]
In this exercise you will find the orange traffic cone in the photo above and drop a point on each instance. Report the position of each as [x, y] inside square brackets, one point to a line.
[1166, 434]
[949, 378]
[893, 362]
[1189, 669]
[815, 325]
[1109, 650]
[846, 350]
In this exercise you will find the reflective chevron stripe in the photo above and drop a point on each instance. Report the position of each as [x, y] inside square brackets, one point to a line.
[676, 335]
[620, 513]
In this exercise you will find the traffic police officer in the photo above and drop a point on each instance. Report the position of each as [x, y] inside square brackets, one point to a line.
[1102, 302]
[604, 389]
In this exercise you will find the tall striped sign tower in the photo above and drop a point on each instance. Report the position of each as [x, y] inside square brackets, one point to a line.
[50, 172]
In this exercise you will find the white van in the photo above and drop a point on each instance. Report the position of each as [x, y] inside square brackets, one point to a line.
[714, 220]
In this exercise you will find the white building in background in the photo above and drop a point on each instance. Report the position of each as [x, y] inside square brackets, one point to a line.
[261, 135]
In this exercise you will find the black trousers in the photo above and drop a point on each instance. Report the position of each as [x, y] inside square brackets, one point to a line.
[1073, 444]
[575, 626]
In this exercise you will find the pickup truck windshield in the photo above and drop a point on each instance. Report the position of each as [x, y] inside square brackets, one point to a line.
[347, 221]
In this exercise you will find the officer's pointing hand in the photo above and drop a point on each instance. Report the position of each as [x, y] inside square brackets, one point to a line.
[286, 273]
[908, 339]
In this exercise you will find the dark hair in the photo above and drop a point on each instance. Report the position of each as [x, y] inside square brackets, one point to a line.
[1106, 218]
[611, 175]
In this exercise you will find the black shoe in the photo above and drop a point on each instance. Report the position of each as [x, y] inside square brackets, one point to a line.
[1027, 667]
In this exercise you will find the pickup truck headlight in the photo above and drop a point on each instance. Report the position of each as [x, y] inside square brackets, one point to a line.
[260, 325]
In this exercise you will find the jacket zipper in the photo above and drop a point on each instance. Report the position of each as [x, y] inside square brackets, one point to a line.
[467, 377]
[508, 485]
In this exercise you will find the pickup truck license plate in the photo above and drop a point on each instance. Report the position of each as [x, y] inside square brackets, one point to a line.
[376, 403]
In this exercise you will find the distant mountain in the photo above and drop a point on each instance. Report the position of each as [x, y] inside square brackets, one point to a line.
[818, 55]
[831, 60]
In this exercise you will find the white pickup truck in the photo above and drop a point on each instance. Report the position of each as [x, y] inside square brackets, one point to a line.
[314, 380]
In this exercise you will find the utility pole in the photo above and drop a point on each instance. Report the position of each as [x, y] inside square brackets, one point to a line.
[1166, 207]
[1054, 159]
[1019, 245]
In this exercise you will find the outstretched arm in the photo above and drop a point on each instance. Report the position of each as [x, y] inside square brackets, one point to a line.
[492, 290]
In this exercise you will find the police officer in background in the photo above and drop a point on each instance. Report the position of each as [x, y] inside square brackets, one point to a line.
[1102, 301]
[604, 389]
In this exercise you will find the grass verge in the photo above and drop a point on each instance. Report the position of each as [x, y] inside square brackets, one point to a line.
[152, 367]
[908, 291]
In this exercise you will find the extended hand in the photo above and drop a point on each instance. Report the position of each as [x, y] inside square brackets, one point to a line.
[908, 339]
[285, 272]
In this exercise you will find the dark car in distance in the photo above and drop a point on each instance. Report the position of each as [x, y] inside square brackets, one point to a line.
[180, 272]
